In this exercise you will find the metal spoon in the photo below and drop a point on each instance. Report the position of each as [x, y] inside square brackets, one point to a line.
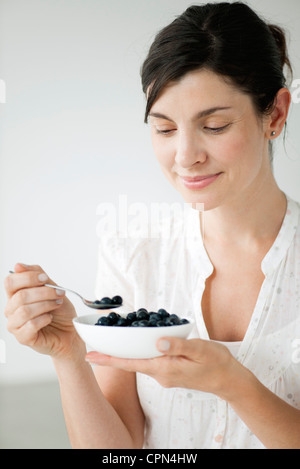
[90, 304]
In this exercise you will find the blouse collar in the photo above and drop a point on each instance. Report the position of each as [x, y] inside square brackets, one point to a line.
[273, 257]
[286, 234]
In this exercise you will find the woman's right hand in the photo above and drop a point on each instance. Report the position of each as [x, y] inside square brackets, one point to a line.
[41, 317]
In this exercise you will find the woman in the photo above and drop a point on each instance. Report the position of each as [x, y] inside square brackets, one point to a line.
[216, 98]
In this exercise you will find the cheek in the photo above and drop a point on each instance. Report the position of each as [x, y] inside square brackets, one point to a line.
[238, 150]
[164, 153]
[230, 149]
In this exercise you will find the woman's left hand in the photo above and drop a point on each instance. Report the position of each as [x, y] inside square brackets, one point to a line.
[194, 364]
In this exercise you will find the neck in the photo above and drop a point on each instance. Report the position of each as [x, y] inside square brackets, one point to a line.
[254, 216]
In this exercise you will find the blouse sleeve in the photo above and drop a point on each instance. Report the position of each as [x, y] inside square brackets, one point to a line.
[113, 277]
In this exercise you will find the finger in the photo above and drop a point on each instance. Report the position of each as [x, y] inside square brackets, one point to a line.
[28, 334]
[22, 267]
[28, 296]
[147, 366]
[28, 312]
[19, 267]
[25, 279]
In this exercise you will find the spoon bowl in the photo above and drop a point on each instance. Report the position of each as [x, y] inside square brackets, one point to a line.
[105, 303]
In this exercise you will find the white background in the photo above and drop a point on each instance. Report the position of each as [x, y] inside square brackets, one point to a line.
[72, 135]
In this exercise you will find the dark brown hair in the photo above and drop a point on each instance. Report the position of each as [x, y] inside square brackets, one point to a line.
[229, 39]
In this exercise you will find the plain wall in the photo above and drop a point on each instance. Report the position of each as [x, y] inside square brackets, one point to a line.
[72, 136]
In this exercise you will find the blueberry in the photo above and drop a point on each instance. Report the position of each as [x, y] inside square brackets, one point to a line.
[184, 321]
[173, 320]
[117, 300]
[135, 323]
[152, 323]
[103, 321]
[155, 316]
[97, 302]
[143, 323]
[139, 318]
[161, 323]
[142, 314]
[173, 316]
[122, 322]
[113, 317]
[131, 316]
[163, 313]
[105, 301]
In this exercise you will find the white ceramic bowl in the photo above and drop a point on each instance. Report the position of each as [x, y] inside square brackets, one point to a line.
[125, 342]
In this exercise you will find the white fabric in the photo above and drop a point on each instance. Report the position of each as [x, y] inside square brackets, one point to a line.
[170, 273]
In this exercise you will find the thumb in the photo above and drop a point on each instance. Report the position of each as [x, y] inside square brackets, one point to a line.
[173, 346]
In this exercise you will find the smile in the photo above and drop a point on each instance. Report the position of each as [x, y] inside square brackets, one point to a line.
[199, 182]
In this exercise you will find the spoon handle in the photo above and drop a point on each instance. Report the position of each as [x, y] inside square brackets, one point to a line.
[62, 288]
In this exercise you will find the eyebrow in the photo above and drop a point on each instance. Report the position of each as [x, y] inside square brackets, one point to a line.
[204, 113]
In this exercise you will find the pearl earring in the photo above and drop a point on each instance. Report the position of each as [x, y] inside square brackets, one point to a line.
[273, 133]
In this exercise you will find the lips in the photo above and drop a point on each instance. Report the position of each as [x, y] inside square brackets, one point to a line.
[199, 182]
[198, 178]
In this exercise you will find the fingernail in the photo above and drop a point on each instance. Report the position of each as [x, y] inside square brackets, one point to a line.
[95, 357]
[43, 277]
[59, 302]
[91, 356]
[163, 345]
[90, 360]
[60, 292]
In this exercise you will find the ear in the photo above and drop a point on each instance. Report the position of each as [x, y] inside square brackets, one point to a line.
[279, 114]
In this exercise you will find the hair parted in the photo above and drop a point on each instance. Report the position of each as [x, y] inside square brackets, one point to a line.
[229, 39]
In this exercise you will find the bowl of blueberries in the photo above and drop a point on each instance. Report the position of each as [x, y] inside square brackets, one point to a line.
[130, 335]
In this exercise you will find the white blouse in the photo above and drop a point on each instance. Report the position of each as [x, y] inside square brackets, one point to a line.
[169, 271]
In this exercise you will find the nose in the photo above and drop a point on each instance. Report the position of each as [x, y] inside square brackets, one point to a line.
[190, 149]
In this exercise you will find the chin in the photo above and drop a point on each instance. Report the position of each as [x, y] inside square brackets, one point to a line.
[201, 202]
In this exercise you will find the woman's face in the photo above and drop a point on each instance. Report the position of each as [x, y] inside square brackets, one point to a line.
[209, 142]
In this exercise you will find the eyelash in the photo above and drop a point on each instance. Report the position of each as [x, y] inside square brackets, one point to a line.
[214, 130]
[163, 132]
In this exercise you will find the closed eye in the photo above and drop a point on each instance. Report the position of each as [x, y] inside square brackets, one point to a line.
[213, 130]
[217, 129]
[164, 132]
